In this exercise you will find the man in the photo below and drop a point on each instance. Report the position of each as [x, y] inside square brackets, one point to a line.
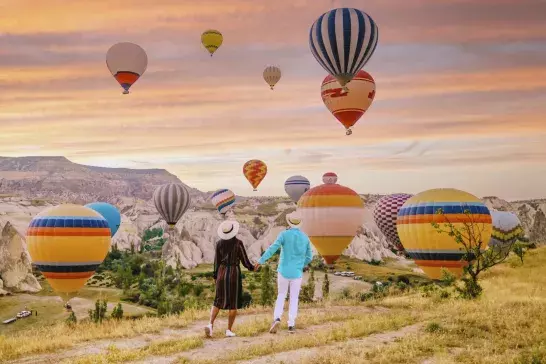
[295, 255]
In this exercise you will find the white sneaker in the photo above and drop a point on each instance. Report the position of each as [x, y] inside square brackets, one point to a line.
[230, 334]
[208, 330]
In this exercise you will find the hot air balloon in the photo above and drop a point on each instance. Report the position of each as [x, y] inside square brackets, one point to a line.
[110, 213]
[67, 243]
[272, 75]
[385, 214]
[331, 216]
[329, 177]
[507, 230]
[296, 186]
[343, 41]
[430, 249]
[223, 199]
[127, 62]
[348, 107]
[212, 40]
[171, 201]
[255, 171]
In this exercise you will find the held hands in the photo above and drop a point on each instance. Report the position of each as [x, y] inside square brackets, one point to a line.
[256, 267]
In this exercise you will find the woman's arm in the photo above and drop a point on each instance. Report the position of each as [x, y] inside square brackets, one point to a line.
[216, 260]
[243, 257]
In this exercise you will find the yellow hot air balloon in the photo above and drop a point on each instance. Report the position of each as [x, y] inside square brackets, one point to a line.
[212, 40]
[255, 171]
[331, 216]
[67, 243]
[272, 75]
[430, 249]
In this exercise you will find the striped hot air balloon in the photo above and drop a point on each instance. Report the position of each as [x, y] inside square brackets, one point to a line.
[272, 75]
[296, 186]
[331, 216]
[171, 201]
[430, 249]
[507, 229]
[255, 171]
[127, 62]
[385, 213]
[329, 177]
[223, 200]
[348, 107]
[342, 41]
[67, 243]
[212, 40]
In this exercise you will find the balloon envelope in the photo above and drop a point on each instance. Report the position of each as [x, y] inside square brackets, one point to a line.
[67, 243]
[331, 216]
[342, 41]
[329, 177]
[109, 212]
[127, 62]
[223, 200]
[255, 171]
[171, 201]
[272, 75]
[348, 107]
[296, 186]
[430, 249]
[385, 213]
[507, 229]
[212, 40]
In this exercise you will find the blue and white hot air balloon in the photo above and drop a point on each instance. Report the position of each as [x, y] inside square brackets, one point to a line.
[343, 40]
[296, 186]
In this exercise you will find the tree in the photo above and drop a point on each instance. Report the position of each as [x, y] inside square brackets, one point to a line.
[117, 312]
[475, 253]
[267, 295]
[325, 286]
[308, 290]
[99, 313]
[71, 320]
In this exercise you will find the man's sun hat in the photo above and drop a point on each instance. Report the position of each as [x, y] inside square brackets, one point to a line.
[294, 219]
[228, 229]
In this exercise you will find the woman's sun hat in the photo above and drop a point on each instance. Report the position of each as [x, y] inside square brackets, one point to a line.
[228, 229]
[294, 219]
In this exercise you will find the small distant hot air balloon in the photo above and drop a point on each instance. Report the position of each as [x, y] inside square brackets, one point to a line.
[212, 40]
[255, 171]
[329, 178]
[430, 249]
[127, 62]
[385, 214]
[223, 200]
[296, 186]
[342, 41]
[109, 212]
[507, 229]
[67, 243]
[331, 216]
[171, 201]
[348, 107]
[272, 75]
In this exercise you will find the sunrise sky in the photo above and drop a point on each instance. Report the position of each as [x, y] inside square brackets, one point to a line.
[460, 98]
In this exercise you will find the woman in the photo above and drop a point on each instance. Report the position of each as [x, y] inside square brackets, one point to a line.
[230, 252]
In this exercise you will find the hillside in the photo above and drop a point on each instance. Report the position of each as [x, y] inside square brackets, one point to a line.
[425, 324]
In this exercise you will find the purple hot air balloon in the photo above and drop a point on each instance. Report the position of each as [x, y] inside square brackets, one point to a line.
[385, 213]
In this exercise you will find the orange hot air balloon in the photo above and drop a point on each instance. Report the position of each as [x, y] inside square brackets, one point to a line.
[255, 171]
[348, 107]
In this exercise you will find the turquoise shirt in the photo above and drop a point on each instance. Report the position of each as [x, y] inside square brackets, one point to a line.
[295, 253]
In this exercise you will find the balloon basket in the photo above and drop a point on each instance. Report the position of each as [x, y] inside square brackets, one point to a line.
[348, 132]
[254, 190]
[125, 92]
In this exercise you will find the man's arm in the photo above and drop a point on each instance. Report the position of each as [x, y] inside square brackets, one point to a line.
[272, 249]
[308, 253]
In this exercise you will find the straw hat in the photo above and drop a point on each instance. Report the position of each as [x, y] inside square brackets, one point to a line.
[294, 219]
[228, 229]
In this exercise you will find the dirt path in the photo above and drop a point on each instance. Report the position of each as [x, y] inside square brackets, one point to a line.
[137, 342]
[371, 342]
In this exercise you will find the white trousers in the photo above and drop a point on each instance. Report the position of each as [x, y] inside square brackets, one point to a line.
[283, 285]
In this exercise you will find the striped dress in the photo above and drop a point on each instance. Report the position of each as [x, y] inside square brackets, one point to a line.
[227, 273]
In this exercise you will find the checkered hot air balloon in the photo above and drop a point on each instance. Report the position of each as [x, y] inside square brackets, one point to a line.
[223, 200]
[255, 171]
[385, 214]
[342, 41]
[331, 216]
[430, 249]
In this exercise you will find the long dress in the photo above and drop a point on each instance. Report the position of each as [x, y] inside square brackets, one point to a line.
[227, 272]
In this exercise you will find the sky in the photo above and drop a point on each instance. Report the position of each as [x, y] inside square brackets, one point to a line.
[460, 99]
